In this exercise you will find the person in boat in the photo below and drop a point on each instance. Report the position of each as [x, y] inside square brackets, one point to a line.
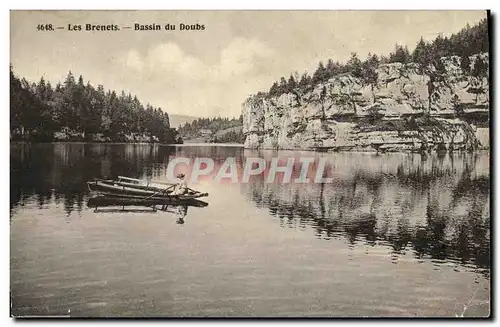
[181, 186]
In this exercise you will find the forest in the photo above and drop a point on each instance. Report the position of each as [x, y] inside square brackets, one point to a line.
[198, 127]
[214, 124]
[79, 111]
[467, 42]
[231, 136]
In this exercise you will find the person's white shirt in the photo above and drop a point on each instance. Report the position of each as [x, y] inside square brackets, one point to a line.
[180, 187]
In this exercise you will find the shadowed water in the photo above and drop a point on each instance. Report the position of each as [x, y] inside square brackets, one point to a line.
[391, 235]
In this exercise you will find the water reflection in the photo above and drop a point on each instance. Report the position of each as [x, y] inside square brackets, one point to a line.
[434, 206]
[180, 211]
[431, 206]
[59, 172]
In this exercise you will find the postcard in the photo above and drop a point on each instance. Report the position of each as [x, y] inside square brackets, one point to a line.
[248, 164]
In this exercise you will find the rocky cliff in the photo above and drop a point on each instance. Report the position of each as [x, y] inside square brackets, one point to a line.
[407, 109]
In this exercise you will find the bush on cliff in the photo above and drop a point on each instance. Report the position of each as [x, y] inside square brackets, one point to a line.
[467, 42]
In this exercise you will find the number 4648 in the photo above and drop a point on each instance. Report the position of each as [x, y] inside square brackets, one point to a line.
[44, 27]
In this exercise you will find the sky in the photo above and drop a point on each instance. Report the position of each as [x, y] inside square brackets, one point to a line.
[210, 72]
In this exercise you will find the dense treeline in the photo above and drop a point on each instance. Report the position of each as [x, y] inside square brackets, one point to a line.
[232, 136]
[207, 128]
[467, 42]
[76, 110]
[212, 124]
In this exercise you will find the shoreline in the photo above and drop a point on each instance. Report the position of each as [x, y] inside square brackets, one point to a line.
[333, 150]
[237, 145]
[132, 143]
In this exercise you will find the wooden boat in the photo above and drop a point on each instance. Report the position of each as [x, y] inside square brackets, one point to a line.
[133, 188]
[136, 181]
[118, 188]
[107, 201]
[144, 185]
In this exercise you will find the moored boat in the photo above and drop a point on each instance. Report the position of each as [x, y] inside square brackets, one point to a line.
[115, 187]
[130, 188]
[145, 185]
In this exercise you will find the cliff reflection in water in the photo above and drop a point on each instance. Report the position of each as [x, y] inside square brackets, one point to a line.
[434, 206]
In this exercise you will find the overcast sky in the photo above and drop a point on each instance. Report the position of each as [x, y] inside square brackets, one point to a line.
[211, 72]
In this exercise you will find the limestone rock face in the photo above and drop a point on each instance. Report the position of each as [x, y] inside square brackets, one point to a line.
[406, 109]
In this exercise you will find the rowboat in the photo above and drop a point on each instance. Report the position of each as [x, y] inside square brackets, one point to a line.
[130, 187]
[119, 188]
[137, 183]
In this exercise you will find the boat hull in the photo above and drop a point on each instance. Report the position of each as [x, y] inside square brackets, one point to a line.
[116, 188]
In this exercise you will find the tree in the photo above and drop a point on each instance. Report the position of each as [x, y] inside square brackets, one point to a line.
[291, 84]
[440, 67]
[78, 107]
[273, 91]
[69, 82]
[320, 75]
[369, 70]
[305, 81]
[465, 64]
[421, 55]
[465, 43]
[384, 60]
[40, 89]
[480, 68]
[441, 47]
[283, 87]
[333, 68]
[400, 54]
[28, 112]
[355, 66]
[17, 104]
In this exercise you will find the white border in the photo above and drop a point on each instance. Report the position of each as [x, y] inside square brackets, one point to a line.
[195, 4]
[259, 4]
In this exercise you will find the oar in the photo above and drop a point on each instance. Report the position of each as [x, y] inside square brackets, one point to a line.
[154, 194]
[162, 183]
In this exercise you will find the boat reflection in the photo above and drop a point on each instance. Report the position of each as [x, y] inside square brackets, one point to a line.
[121, 205]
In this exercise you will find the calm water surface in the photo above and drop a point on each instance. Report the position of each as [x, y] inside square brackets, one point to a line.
[392, 235]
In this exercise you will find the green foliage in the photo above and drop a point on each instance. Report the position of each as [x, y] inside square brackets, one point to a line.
[400, 54]
[274, 90]
[440, 67]
[305, 81]
[465, 43]
[369, 69]
[320, 75]
[229, 137]
[38, 111]
[480, 68]
[194, 128]
[292, 84]
[355, 65]
[470, 40]
[465, 64]
[422, 54]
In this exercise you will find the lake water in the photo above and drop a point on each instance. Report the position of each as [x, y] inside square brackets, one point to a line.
[392, 235]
